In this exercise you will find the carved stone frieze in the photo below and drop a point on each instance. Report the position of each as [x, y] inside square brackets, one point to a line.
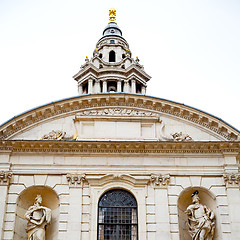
[76, 180]
[160, 180]
[232, 179]
[5, 177]
[116, 112]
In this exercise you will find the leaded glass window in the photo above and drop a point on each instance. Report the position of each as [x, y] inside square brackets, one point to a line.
[117, 216]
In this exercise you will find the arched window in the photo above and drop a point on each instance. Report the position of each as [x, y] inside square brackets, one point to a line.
[112, 56]
[117, 216]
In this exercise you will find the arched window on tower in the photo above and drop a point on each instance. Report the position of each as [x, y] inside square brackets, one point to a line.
[112, 56]
[117, 216]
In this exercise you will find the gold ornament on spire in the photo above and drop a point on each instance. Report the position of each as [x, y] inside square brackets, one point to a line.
[112, 15]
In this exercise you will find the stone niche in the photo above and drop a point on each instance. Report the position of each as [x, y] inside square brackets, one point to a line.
[27, 199]
[206, 198]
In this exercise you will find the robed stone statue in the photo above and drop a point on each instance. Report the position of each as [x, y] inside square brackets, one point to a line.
[38, 217]
[200, 220]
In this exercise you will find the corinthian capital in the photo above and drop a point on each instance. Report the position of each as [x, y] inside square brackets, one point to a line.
[5, 177]
[232, 179]
[159, 180]
[76, 180]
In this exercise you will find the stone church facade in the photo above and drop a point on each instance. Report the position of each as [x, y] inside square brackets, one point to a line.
[114, 163]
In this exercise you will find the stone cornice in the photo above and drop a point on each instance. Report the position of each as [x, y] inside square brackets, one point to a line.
[85, 102]
[114, 147]
[88, 68]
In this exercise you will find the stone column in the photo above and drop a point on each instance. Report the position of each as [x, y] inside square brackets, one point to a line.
[97, 87]
[76, 182]
[133, 86]
[104, 86]
[231, 177]
[90, 86]
[119, 86]
[126, 86]
[5, 177]
[80, 89]
[143, 90]
[159, 183]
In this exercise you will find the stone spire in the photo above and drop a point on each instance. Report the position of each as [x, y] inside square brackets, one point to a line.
[112, 68]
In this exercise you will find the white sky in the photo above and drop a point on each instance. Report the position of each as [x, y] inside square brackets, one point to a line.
[190, 48]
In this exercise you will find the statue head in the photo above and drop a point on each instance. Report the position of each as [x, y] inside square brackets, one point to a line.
[195, 197]
[38, 199]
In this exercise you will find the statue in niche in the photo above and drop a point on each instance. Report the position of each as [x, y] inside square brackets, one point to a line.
[200, 220]
[38, 217]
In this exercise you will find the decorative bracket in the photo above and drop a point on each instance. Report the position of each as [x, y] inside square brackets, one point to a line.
[159, 180]
[76, 180]
[232, 179]
[5, 177]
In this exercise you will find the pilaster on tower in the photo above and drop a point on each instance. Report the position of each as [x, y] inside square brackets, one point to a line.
[112, 68]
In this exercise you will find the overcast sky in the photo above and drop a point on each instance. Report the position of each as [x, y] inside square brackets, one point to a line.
[190, 48]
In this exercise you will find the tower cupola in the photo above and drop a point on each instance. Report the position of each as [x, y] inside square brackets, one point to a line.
[112, 68]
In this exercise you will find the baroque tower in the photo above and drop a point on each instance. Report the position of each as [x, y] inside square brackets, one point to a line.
[105, 166]
[112, 68]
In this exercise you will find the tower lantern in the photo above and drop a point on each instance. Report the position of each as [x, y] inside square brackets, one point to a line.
[112, 68]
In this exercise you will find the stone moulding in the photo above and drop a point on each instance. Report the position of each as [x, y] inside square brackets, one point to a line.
[85, 102]
[5, 177]
[102, 179]
[118, 146]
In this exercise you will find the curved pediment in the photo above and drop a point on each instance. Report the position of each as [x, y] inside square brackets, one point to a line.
[117, 116]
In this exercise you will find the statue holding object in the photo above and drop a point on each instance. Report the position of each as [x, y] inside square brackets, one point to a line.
[38, 217]
[200, 220]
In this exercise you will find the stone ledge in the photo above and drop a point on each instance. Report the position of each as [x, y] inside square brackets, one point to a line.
[119, 146]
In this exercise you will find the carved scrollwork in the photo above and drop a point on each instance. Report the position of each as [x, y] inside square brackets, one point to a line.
[232, 179]
[76, 180]
[181, 137]
[5, 177]
[177, 136]
[54, 135]
[159, 180]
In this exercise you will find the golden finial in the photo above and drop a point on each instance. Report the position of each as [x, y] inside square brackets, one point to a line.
[112, 15]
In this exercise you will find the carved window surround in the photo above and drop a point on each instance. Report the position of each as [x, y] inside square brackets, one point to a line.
[100, 180]
[156, 180]
[5, 177]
